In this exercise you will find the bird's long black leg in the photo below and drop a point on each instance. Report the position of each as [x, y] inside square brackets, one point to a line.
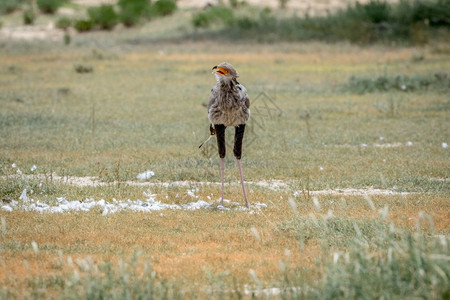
[220, 133]
[238, 137]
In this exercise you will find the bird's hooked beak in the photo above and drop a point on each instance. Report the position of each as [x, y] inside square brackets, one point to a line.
[220, 70]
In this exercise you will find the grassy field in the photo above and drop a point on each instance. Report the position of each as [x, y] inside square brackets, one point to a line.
[140, 106]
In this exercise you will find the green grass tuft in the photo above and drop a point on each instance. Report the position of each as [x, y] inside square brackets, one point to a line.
[417, 267]
[337, 232]
[49, 6]
[437, 82]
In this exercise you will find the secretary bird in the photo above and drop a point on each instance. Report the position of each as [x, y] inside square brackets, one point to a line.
[228, 105]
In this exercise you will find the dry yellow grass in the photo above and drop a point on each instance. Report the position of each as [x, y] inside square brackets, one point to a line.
[189, 246]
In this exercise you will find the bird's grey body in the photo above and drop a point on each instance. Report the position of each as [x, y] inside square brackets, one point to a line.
[228, 105]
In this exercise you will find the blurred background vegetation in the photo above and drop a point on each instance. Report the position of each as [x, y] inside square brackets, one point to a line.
[408, 21]
[404, 21]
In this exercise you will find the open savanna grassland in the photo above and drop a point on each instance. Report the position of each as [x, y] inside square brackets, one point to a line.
[142, 109]
[139, 106]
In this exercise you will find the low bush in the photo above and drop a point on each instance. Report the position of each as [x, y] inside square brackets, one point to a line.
[49, 6]
[131, 12]
[104, 16]
[83, 25]
[214, 14]
[63, 23]
[28, 17]
[436, 13]
[128, 12]
[82, 69]
[375, 11]
[164, 7]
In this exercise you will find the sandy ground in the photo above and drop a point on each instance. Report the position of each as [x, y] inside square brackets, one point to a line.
[37, 32]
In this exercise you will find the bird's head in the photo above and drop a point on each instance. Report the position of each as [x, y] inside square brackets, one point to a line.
[225, 72]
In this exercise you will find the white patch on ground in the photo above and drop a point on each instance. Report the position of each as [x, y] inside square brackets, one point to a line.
[28, 33]
[382, 145]
[268, 293]
[145, 175]
[388, 145]
[270, 184]
[275, 185]
[150, 204]
[375, 145]
[94, 181]
[24, 196]
[354, 192]
[61, 205]
[191, 193]
[440, 179]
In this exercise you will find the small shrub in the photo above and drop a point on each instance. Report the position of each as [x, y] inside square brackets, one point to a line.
[28, 17]
[83, 25]
[63, 23]
[164, 7]
[103, 16]
[82, 69]
[49, 6]
[375, 11]
[212, 15]
[435, 13]
[246, 23]
[202, 19]
[132, 11]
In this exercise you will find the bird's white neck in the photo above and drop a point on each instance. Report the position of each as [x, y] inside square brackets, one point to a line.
[223, 79]
[226, 83]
